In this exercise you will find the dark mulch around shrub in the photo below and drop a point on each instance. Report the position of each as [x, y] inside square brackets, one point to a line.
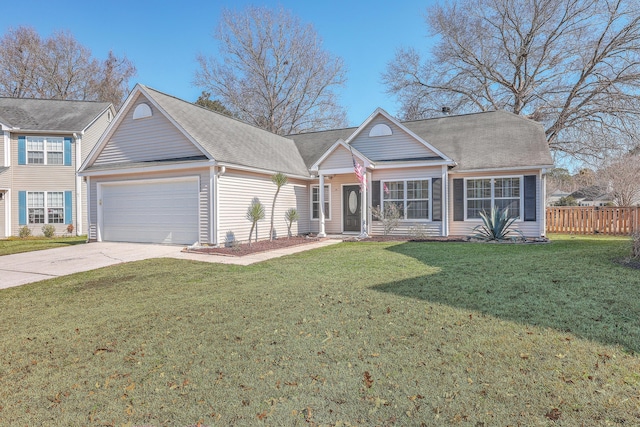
[243, 249]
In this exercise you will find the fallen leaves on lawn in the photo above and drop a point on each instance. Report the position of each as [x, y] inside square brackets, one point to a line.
[368, 381]
[554, 414]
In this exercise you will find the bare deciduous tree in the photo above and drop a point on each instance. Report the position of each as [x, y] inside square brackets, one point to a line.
[621, 177]
[572, 64]
[271, 71]
[59, 68]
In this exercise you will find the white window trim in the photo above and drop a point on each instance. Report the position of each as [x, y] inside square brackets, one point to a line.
[46, 208]
[327, 200]
[492, 178]
[44, 151]
[405, 180]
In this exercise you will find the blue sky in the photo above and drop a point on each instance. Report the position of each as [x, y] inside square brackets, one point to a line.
[163, 38]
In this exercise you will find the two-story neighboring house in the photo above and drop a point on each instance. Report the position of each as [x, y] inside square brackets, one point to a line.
[42, 146]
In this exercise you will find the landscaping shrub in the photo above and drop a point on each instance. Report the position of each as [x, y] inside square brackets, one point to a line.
[24, 232]
[496, 225]
[390, 217]
[48, 230]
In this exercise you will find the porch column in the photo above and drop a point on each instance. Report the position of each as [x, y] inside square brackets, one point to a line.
[321, 232]
[365, 204]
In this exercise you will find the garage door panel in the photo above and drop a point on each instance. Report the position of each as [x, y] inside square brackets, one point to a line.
[157, 211]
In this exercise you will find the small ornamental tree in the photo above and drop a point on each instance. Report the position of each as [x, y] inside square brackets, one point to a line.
[291, 216]
[279, 180]
[255, 213]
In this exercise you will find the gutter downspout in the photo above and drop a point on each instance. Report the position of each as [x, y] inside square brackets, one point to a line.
[79, 211]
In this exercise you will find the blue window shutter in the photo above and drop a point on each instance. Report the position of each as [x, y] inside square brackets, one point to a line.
[67, 151]
[22, 207]
[68, 207]
[22, 150]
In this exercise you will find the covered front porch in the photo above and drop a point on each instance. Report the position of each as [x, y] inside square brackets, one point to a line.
[346, 204]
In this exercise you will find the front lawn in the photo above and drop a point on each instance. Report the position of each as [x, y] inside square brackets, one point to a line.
[353, 334]
[15, 245]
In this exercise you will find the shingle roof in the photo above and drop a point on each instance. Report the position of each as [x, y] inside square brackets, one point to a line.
[49, 115]
[489, 140]
[231, 141]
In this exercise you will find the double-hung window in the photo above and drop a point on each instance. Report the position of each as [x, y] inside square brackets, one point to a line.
[45, 150]
[315, 202]
[410, 198]
[45, 207]
[485, 193]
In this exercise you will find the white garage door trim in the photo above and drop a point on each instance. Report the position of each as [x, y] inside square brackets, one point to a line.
[187, 227]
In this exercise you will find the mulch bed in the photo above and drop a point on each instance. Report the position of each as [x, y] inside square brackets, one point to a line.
[243, 249]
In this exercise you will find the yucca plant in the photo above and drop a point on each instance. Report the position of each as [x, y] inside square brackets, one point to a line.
[291, 216]
[255, 213]
[496, 225]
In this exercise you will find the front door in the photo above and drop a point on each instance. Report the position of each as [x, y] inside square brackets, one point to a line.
[351, 208]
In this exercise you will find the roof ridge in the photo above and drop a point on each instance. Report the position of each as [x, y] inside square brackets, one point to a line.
[193, 104]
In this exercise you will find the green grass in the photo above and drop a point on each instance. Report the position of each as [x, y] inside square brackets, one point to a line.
[16, 245]
[363, 334]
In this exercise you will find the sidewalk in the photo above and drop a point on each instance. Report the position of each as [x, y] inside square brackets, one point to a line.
[253, 258]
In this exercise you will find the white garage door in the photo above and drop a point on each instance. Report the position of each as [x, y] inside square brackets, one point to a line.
[150, 211]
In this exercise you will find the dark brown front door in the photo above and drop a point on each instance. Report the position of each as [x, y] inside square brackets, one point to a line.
[351, 208]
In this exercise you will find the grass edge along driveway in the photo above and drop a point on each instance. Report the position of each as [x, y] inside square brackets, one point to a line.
[354, 334]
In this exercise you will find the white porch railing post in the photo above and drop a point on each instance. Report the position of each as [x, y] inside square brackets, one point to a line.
[321, 232]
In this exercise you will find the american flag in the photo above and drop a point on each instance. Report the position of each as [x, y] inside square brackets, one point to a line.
[360, 173]
[386, 189]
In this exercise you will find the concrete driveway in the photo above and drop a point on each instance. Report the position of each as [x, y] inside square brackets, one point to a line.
[28, 267]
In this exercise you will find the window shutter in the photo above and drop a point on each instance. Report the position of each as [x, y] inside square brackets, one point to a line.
[22, 150]
[436, 191]
[530, 198]
[458, 199]
[67, 151]
[68, 207]
[375, 197]
[22, 207]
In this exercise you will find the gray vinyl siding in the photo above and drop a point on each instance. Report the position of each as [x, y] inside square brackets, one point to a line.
[529, 228]
[93, 133]
[236, 190]
[147, 139]
[340, 158]
[204, 199]
[407, 227]
[399, 145]
[40, 178]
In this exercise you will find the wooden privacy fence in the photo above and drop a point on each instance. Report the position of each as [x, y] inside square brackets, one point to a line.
[593, 220]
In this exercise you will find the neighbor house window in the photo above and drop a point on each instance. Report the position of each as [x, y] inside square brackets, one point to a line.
[45, 150]
[485, 193]
[411, 197]
[315, 202]
[45, 207]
